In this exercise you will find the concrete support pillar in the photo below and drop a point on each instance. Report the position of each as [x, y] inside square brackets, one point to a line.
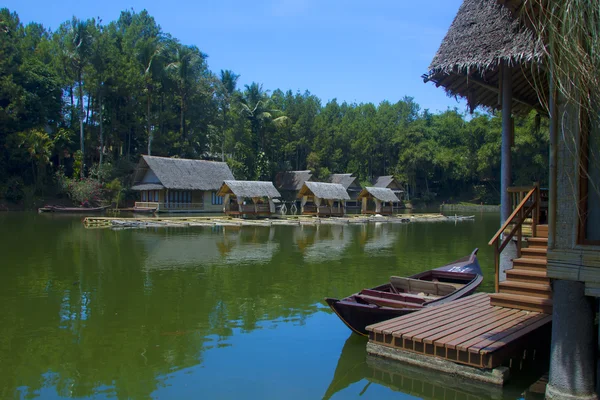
[506, 90]
[572, 354]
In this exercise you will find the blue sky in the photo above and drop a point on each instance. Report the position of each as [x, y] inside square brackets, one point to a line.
[352, 50]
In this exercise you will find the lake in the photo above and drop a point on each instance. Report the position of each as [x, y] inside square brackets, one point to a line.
[223, 312]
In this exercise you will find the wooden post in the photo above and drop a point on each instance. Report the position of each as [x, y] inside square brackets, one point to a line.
[505, 170]
[552, 187]
[496, 267]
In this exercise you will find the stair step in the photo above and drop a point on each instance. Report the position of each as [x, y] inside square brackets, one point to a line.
[530, 263]
[528, 276]
[537, 242]
[540, 290]
[542, 231]
[534, 252]
[529, 303]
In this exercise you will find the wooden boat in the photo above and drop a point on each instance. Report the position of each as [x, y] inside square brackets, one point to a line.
[72, 210]
[402, 295]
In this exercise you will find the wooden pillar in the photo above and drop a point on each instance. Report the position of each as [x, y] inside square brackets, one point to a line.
[505, 168]
[552, 187]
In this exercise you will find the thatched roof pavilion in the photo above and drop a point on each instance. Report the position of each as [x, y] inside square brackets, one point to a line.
[378, 200]
[249, 189]
[246, 192]
[290, 182]
[349, 182]
[382, 194]
[325, 191]
[482, 37]
[332, 195]
[180, 174]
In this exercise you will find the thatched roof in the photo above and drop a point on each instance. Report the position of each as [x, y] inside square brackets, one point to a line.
[292, 180]
[326, 191]
[346, 180]
[249, 189]
[380, 193]
[148, 186]
[181, 174]
[482, 36]
[386, 181]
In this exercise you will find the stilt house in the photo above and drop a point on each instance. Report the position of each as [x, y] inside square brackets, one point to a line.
[352, 186]
[289, 183]
[377, 200]
[494, 56]
[323, 199]
[248, 197]
[388, 181]
[180, 185]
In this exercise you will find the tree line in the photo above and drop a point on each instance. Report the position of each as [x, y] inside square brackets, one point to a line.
[87, 99]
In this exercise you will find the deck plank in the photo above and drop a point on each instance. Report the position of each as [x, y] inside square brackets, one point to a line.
[503, 337]
[444, 331]
[490, 326]
[512, 325]
[455, 319]
[429, 312]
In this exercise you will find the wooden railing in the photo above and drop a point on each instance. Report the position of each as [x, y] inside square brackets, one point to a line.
[529, 206]
[170, 206]
[146, 204]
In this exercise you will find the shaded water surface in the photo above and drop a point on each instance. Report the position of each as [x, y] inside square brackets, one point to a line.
[209, 312]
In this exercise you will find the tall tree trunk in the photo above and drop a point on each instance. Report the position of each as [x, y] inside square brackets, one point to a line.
[101, 128]
[150, 134]
[81, 114]
[87, 116]
[72, 105]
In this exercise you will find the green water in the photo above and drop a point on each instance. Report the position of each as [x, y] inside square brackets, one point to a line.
[209, 312]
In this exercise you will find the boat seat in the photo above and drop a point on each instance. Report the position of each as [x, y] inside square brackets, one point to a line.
[411, 285]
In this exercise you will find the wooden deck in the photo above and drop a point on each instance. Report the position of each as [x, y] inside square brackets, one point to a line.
[469, 331]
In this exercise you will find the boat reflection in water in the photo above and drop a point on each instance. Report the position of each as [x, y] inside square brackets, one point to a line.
[355, 366]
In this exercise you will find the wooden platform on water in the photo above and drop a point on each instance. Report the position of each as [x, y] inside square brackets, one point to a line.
[191, 221]
[469, 331]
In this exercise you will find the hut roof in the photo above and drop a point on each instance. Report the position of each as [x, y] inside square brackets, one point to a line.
[148, 186]
[292, 180]
[385, 181]
[249, 189]
[380, 193]
[184, 174]
[327, 191]
[346, 180]
[482, 36]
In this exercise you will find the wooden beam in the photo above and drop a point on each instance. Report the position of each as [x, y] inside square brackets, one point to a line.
[497, 90]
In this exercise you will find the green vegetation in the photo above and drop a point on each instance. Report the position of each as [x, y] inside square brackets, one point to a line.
[92, 97]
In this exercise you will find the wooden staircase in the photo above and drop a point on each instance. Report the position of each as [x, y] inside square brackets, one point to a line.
[527, 286]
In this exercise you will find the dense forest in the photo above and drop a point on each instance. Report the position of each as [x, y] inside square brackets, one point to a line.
[78, 106]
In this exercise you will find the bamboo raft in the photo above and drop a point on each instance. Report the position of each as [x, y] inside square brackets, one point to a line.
[194, 221]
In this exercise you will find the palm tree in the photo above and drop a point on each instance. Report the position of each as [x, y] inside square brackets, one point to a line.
[258, 108]
[187, 63]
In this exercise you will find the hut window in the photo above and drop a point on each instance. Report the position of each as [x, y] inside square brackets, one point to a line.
[589, 205]
[143, 195]
[216, 200]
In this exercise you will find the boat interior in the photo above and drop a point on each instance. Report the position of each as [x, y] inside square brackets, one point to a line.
[414, 292]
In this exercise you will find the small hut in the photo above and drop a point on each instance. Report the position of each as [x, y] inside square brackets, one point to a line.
[248, 197]
[352, 186]
[179, 185]
[377, 200]
[289, 183]
[323, 199]
[388, 181]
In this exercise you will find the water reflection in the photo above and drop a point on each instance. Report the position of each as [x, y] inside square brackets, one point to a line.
[219, 245]
[356, 367]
